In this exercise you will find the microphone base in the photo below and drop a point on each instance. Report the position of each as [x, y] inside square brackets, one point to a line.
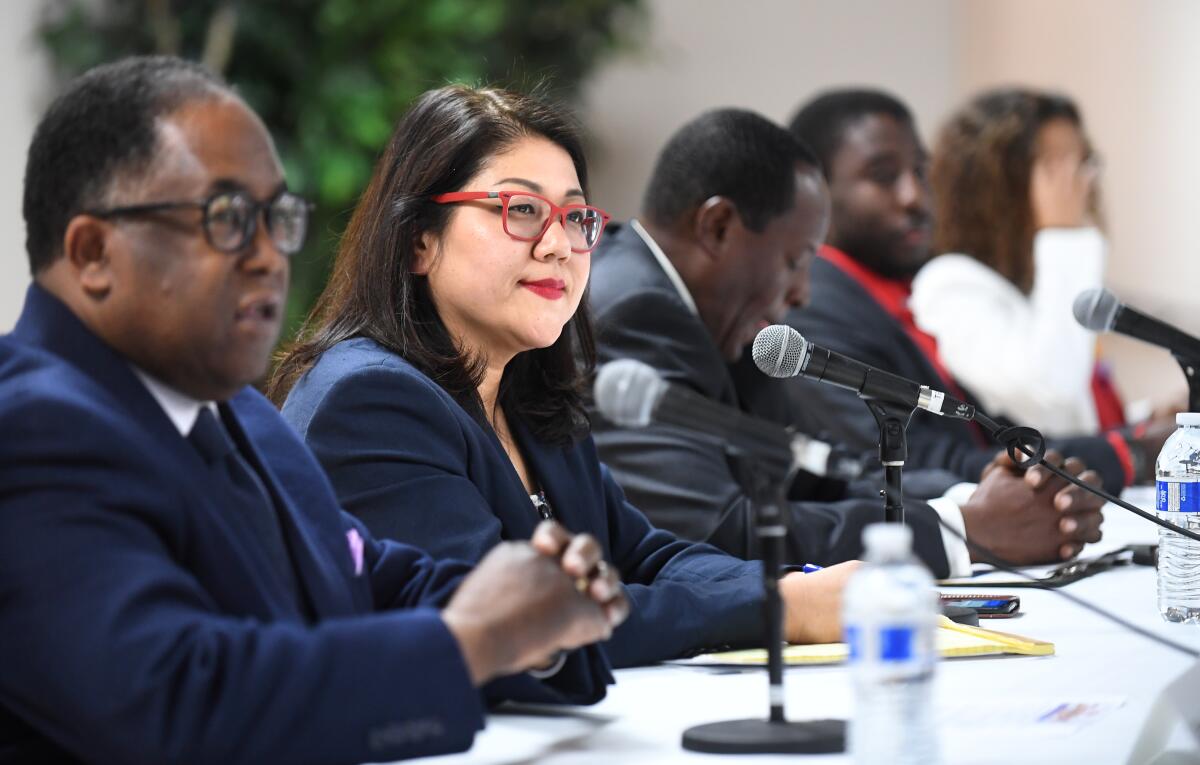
[759, 736]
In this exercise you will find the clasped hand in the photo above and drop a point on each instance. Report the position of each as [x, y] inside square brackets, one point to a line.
[525, 601]
[1033, 517]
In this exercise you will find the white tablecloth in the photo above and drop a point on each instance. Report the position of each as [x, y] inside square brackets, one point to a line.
[986, 706]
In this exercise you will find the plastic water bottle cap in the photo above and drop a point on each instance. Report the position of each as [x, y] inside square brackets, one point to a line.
[887, 539]
[1187, 418]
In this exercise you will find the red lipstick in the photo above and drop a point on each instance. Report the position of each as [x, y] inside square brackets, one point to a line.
[551, 289]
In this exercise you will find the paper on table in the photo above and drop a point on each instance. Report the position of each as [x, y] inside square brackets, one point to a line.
[1061, 715]
[953, 640]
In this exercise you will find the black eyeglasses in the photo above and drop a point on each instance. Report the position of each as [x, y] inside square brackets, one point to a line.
[231, 218]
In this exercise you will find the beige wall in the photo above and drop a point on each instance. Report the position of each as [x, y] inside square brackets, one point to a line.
[1131, 64]
[766, 55]
[22, 89]
[1135, 70]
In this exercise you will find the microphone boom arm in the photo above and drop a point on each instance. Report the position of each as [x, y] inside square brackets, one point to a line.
[1191, 372]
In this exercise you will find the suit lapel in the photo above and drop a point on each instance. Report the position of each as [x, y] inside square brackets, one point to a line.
[876, 319]
[573, 503]
[708, 369]
[318, 575]
[518, 516]
[46, 323]
[855, 299]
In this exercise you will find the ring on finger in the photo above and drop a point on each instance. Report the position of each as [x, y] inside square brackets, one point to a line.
[599, 571]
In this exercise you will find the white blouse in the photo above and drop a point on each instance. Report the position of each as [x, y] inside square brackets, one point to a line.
[1025, 357]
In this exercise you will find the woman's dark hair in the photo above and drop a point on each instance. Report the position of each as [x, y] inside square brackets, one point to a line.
[980, 175]
[443, 141]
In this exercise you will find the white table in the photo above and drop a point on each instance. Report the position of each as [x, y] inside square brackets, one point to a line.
[980, 701]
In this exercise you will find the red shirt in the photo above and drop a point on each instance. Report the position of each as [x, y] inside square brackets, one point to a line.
[1109, 409]
[892, 296]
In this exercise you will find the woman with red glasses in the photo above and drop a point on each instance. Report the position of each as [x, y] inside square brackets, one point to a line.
[440, 377]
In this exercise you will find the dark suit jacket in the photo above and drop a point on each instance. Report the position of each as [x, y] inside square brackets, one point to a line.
[140, 620]
[843, 317]
[415, 466]
[683, 481]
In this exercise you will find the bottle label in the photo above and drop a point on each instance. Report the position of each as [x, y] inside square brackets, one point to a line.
[895, 643]
[1178, 497]
[854, 641]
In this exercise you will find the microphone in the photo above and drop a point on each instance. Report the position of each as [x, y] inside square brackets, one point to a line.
[633, 395]
[781, 351]
[1099, 310]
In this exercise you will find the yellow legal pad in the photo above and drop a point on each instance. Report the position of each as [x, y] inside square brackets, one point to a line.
[953, 640]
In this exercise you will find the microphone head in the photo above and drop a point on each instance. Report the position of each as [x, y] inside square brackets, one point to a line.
[626, 392]
[780, 351]
[1096, 309]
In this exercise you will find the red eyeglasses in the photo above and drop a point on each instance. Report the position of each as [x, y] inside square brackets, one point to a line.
[526, 216]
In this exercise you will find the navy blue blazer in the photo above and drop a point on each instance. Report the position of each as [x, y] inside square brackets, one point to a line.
[415, 466]
[141, 622]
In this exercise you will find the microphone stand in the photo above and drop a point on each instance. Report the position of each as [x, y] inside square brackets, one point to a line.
[893, 421]
[776, 734]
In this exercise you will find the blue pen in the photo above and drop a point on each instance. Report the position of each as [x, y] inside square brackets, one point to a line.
[808, 568]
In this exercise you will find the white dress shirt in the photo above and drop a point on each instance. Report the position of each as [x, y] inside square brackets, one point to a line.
[180, 408]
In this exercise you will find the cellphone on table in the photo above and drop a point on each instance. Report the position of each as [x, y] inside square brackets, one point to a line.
[988, 606]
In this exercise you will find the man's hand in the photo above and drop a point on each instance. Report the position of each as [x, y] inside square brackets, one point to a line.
[813, 603]
[525, 601]
[1036, 517]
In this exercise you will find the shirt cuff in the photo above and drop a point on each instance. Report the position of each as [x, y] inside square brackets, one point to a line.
[949, 509]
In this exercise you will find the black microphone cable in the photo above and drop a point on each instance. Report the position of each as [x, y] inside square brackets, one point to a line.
[1027, 441]
[780, 351]
[780, 347]
[1010, 568]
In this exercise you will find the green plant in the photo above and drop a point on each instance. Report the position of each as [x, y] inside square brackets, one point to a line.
[330, 77]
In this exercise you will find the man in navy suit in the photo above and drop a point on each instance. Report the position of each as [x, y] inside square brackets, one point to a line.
[735, 209]
[176, 580]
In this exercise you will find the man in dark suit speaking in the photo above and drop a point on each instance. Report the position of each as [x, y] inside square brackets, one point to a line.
[735, 209]
[176, 580]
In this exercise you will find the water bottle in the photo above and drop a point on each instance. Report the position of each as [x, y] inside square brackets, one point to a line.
[1178, 472]
[890, 615]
